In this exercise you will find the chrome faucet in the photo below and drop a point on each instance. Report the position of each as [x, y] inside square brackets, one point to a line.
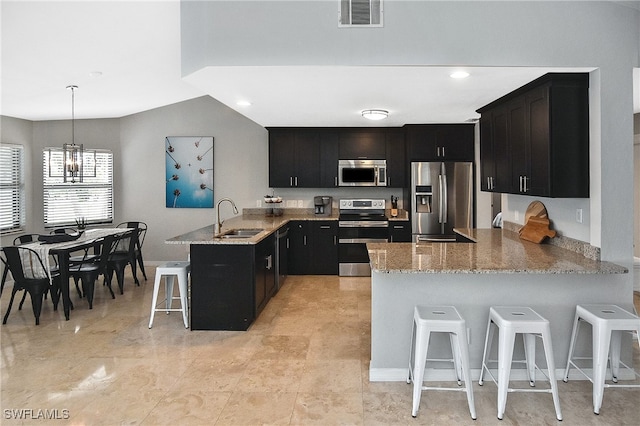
[219, 222]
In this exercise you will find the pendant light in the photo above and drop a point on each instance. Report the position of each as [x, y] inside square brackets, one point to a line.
[72, 153]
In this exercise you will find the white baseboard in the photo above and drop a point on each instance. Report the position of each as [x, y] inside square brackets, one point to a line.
[443, 375]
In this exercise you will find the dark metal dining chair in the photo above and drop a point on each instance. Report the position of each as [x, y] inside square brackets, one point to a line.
[123, 255]
[142, 232]
[88, 272]
[30, 274]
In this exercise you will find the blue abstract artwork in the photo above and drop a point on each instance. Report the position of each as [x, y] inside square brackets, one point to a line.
[189, 171]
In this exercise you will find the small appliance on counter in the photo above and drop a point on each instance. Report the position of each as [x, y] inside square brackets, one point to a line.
[322, 205]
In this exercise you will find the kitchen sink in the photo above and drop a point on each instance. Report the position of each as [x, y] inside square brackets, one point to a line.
[240, 233]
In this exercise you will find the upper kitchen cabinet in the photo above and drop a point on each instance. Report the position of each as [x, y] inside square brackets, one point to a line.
[440, 142]
[294, 158]
[535, 140]
[365, 143]
[329, 156]
[396, 168]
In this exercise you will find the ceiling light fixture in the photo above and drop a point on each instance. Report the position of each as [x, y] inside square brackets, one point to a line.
[459, 74]
[72, 153]
[243, 103]
[375, 114]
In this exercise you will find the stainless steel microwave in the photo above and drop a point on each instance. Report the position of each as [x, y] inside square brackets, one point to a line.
[362, 172]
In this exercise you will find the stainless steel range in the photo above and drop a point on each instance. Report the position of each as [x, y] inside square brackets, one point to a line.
[361, 221]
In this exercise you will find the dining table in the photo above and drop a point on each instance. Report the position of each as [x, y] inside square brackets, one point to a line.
[62, 251]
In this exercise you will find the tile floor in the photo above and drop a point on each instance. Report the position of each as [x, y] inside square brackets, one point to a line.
[305, 361]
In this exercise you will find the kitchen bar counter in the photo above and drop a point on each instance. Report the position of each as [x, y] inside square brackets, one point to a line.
[493, 251]
[498, 269]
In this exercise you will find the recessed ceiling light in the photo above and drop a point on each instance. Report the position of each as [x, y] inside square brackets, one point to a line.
[375, 114]
[243, 103]
[95, 74]
[459, 74]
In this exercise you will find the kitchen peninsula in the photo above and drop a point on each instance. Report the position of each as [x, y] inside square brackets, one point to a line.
[497, 268]
[233, 276]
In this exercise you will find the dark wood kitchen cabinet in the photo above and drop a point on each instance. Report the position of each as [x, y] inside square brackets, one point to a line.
[294, 158]
[265, 278]
[535, 140]
[440, 142]
[497, 130]
[230, 284]
[399, 231]
[396, 167]
[362, 144]
[329, 156]
[313, 247]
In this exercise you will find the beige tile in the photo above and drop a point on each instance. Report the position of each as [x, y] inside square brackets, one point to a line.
[258, 408]
[328, 408]
[184, 407]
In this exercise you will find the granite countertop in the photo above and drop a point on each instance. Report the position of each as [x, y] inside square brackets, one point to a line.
[269, 224]
[256, 219]
[494, 251]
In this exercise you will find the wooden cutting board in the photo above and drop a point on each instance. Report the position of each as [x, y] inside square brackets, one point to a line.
[536, 226]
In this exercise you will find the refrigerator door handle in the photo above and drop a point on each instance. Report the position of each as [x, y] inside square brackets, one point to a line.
[445, 204]
[442, 205]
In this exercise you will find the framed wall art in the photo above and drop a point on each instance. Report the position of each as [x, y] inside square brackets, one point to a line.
[189, 171]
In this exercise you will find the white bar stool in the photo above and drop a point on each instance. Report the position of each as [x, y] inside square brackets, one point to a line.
[169, 271]
[439, 319]
[607, 324]
[511, 321]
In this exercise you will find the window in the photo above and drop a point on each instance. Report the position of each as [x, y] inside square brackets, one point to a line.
[12, 203]
[91, 199]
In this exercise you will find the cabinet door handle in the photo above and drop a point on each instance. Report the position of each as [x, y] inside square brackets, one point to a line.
[524, 184]
[304, 240]
[437, 151]
[335, 181]
[325, 226]
[443, 154]
[335, 240]
[290, 180]
[296, 180]
[269, 261]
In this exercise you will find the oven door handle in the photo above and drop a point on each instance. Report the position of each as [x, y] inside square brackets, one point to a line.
[363, 224]
[361, 240]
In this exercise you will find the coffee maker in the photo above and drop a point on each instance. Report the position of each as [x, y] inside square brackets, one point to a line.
[322, 205]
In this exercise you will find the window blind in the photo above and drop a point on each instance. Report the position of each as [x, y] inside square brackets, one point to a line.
[12, 200]
[91, 199]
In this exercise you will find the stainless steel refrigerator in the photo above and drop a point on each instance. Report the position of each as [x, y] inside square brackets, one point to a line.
[442, 199]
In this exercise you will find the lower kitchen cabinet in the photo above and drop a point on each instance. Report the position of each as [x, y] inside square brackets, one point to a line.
[230, 284]
[399, 231]
[313, 247]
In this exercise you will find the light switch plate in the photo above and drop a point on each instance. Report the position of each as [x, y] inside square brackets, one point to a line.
[300, 204]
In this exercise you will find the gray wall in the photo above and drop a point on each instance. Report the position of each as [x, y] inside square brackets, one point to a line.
[240, 168]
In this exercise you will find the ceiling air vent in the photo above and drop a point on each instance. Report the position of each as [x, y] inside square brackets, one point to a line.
[360, 13]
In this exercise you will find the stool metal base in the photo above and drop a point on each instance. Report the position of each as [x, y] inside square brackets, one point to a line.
[511, 321]
[607, 324]
[439, 319]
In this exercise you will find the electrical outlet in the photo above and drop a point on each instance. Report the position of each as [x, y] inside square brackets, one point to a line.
[300, 204]
[517, 216]
[258, 203]
[291, 203]
[579, 215]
